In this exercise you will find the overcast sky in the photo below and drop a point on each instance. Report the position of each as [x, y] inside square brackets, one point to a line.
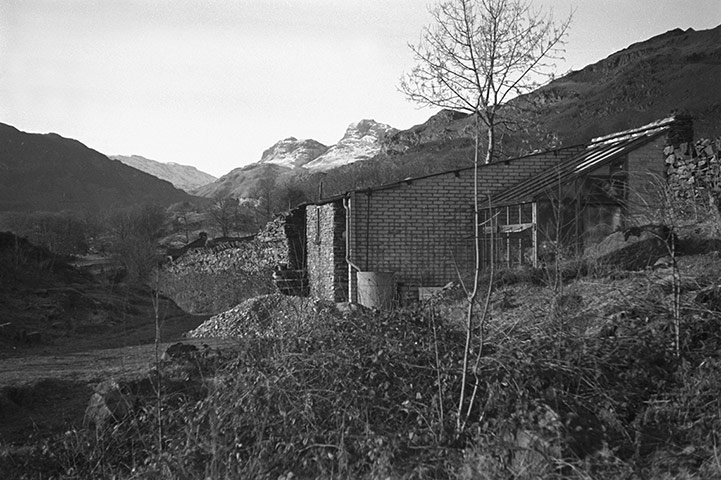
[213, 83]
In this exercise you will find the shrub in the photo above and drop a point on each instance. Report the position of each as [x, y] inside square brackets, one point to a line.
[373, 395]
[63, 233]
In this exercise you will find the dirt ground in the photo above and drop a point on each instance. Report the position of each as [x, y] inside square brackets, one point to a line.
[63, 329]
[42, 394]
[45, 387]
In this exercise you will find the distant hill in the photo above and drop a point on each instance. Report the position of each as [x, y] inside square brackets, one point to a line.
[52, 173]
[250, 181]
[184, 177]
[291, 161]
[361, 141]
[677, 71]
[291, 152]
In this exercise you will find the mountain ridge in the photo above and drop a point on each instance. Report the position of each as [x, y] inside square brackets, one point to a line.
[362, 140]
[48, 172]
[184, 177]
[291, 152]
[293, 159]
[674, 72]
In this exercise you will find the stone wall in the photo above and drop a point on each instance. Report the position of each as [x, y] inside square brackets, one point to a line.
[325, 237]
[210, 281]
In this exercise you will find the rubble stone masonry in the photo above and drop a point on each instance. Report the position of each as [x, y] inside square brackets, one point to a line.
[325, 240]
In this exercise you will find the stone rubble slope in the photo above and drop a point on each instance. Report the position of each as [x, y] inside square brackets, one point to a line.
[264, 316]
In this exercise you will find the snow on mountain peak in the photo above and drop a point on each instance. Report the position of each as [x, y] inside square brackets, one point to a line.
[362, 140]
[291, 152]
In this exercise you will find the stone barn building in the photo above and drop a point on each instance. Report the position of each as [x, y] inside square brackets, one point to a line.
[416, 235]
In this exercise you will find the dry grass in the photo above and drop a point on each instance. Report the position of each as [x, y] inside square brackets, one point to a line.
[580, 384]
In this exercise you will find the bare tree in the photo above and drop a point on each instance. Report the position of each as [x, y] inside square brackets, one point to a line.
[135, 233]
[225, 212]
[477, 56]
[181, 213]
[266, 193]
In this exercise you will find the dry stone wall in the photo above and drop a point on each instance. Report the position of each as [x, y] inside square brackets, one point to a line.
[694, 179]
[208, 281]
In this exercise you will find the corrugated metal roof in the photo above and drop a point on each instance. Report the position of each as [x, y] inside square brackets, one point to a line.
[601, 152]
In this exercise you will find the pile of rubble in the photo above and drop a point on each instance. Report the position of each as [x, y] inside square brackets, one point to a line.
[274, 231]
[262, 316]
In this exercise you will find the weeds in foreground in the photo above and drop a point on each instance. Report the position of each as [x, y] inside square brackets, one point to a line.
[364, 396]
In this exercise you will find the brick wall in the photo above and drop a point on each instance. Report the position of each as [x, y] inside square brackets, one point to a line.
[325, 240]
[422, 229]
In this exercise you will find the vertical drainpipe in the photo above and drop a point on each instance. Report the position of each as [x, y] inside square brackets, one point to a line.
[347, 204]
[368, 228]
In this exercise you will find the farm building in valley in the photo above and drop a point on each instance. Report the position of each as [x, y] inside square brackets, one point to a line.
[614, 182]
[408, 237]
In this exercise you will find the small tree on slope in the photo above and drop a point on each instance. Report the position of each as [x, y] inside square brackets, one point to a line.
[476, 56]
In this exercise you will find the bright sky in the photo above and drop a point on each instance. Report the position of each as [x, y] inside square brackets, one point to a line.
[213, 83]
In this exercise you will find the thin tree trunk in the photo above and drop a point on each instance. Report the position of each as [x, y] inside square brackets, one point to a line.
[471, 298]
[491, 142]
[484, 315]
[158, 392]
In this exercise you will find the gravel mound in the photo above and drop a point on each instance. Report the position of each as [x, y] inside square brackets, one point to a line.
[264, 316]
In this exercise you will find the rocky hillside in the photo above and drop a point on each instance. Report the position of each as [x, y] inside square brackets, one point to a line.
[53, 173]
[292, 161]
[184, 177]
[250, 181]
[51, 303]
[674, 71]
[443, 127]
[362, 140]
[291, 152]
